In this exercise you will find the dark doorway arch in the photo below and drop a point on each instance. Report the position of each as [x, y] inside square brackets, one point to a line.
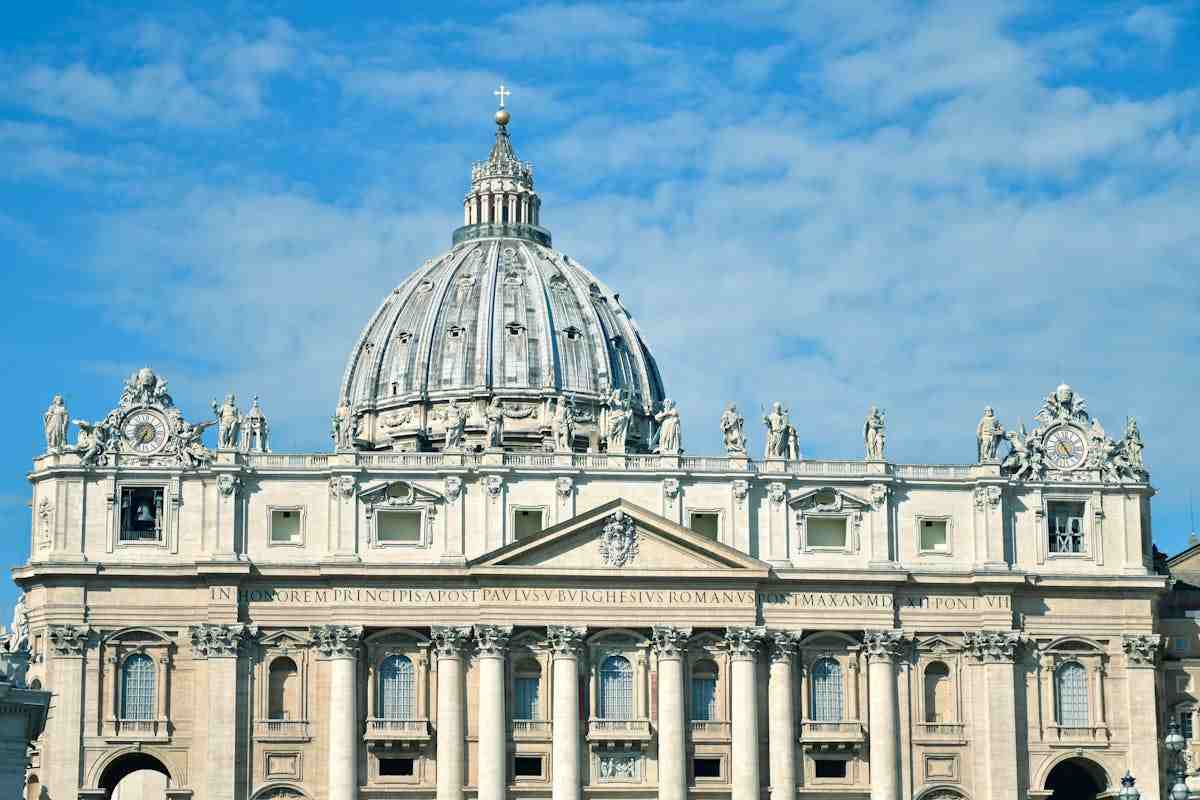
[1076, 779]
[125, 765]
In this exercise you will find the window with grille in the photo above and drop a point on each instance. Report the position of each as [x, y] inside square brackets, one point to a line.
[704, 691]
[527, 691]
[616, 688]
[827, 691]
[397, 691]
[141, 514]
[1072, 690]
[1066, 527]
[1185, 723]
[137, 687]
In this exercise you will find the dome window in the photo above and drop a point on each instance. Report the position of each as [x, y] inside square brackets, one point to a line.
[403, 337]
[572, 333]
[454, 331]
[514, 328]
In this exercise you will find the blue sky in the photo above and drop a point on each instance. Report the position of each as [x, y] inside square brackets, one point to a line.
[930, 207]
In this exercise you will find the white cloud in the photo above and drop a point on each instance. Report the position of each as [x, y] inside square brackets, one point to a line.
[1154, 24]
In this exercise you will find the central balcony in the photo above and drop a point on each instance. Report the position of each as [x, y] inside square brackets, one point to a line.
[281, 730]
[531, 729]
[137, 730]
[611, 732]
[397, 733]
[844, 735]
[710, 730]
[941, 732]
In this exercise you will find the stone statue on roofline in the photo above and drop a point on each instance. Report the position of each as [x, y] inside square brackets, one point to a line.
[732, 424]
[988, 435]
[779, 432]
[495, 424]
[456, 425]
[55, 422]
[342, 427]
[874, 435]
[229, 421]
[617, 427]
[563, 424]
[670, 439]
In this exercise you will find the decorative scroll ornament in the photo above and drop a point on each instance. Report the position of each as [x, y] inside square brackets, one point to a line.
[987, 496]
[337, 641]
[1141, 648]
[492, 640]
[453, 487]
[784, 645]
[883, 644]
[68, 640]
[493, 484]
[993, 646]
[744, 642]
[219, 641]
[565, 640]
[741, 488]
[341, 486]
[619, 541]
[669, 641]
[450, 641]
[564, 486]
[879, 494]
[227, 484]
[671, 489]
[776, 492]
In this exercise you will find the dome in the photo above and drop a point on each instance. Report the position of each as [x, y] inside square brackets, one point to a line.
[500, 320]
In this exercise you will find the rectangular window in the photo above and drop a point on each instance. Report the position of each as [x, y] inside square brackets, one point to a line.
[141, 514]
[285, 526]
[829, 768]
[706, 768]
[707, 524]
[526, 523]
[527, 766]
[1185, 724]
[826, 532]
[525, 698]
[396, 767]
[934, 536]
[1065, 521]
[704, 698]
[398, 527]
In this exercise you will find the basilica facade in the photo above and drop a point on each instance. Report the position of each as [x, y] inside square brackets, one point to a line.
[506, 579]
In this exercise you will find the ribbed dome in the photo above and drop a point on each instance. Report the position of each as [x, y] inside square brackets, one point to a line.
[500, 316]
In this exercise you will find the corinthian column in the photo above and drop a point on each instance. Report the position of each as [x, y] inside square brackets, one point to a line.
[882, 649]
[743, 646]
[451, 645]
[218, 646]
[492, 641]
[1141, 656]
[995, 651]
[781, 722]
[64, 729]
[338, 644]
[565, 641]
[669, 644]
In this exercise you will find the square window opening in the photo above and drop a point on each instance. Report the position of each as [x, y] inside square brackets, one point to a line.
[285, 526]
[398, 527]
[935, 536]
[829, 768]
[526, 522]
[1065, 522]
[706, 767]
[527, 766]
[141, 514]
[707, 524]
[827, 532]
[396, 767]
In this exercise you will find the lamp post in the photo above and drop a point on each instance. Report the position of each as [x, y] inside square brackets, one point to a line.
[1175, 744]
[1128, 790]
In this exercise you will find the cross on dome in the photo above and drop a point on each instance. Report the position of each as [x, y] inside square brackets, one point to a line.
[502, 93]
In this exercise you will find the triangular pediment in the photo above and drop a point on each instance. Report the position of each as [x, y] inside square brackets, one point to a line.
[620, 537]
[397, 493]
[937, 644]
[284, 639]
[827, 499]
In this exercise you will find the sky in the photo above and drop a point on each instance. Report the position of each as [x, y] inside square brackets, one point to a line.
[929, 207]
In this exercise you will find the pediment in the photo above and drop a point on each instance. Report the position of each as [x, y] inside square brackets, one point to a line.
[937, 644]
[284, 639]
[396, 494]
[827, 499]
[616, 538]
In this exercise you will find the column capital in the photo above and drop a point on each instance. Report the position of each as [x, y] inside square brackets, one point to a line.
[992, 646]
[565, 641]
[337, 641]
[450, 641]
[219, 641]
[783, 645]
[1141, 649]
[669, 641]
[492, 640]
[68, 640]
[744, 642]
[883, 645]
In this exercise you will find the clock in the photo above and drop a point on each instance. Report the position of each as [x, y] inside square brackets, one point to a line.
[145, 432]
[1065, 448]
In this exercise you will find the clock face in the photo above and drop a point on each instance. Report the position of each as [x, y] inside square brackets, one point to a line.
[145, 432]
[1065, 448]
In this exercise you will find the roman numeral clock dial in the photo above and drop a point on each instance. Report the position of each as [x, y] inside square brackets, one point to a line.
[1065, 448]
[145, 432]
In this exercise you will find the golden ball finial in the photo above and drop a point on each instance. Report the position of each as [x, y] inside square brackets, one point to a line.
[502, 117]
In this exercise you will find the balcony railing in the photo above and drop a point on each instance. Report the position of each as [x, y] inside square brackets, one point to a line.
[843, 732]
[140, 729]
[281, 729]
[531, 729]
[1079, 734]
[619, 730]
[941, 730]
[397, 730]
[710, 729]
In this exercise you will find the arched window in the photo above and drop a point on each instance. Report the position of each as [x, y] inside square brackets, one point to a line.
[397, 689]
[137, 687]
[704, 690]
[283, 690]
[616, 688]
[827, 691]
[937, 693]
[1071, 694]
[527, 690]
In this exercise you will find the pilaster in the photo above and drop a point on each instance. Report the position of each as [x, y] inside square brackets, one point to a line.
[669, 646]
[450, 645]
[492, 649]
[218, 647]
[338, 645]
[64, 730]
[883, 649]
[781, 716]
[1141, 660]
[565, 642]
[743, 644]
[995, 651]
[343, 517]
